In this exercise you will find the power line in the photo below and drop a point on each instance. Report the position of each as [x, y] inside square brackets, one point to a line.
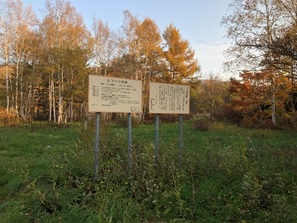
[213, 44]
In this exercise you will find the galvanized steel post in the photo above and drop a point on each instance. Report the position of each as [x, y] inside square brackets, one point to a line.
[157, 139]
[96, 148]
[180, 139]
[129, 142]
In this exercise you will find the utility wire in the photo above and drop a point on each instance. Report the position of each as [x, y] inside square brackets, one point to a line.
[213, 44]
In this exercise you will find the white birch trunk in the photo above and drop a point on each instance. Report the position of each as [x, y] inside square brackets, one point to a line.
[60, 103]
[273, 109]
[7, 77]
[50, 99]
[54, 101]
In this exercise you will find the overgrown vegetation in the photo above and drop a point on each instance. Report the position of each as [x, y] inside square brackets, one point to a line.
[8, 118]
[122, 121]
[201, 123]
[228, 175]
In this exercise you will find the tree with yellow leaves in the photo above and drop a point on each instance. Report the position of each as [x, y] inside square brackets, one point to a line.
[179, 56]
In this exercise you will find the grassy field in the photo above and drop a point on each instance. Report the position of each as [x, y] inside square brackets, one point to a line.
[228, 174]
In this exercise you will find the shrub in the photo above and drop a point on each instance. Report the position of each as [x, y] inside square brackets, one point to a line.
[122, 121]
[201, 123]
[266, 124]
[284, 122]
[288, 121]
[231, 115]
[293, 120]
[249, 122]
[9, 118]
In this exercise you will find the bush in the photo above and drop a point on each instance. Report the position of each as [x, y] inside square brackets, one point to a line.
[266, 124]
[249, 122]
[122, 121]
[201, 123]
[288, 121]
[9, 119]
[293, 121]
[231, 115]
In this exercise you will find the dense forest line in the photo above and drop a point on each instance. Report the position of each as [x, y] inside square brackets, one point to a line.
[44, 64]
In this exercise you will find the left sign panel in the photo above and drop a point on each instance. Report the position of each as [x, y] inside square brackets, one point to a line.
[109, 94]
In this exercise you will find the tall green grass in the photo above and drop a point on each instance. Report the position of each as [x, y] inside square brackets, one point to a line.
[229, 174]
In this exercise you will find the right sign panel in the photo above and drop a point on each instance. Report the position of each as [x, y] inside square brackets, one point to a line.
[169, 99]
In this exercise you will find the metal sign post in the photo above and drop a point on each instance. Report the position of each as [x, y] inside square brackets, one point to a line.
[96, 148]
[180, 139]
[129, 143]
[157, 139]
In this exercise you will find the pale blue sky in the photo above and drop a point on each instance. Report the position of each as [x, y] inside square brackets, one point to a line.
[197, 20]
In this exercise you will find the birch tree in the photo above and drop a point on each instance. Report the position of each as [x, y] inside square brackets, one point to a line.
[104, 45]
[64, 33]
[285, 45]
[25, 23]
[253, 25]
[6, 32]
[129, 47]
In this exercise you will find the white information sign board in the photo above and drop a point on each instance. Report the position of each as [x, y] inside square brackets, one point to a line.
[169, 99]
[109, 94]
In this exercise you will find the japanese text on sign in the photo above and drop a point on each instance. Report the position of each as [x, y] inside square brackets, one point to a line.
[108, 94]
[169, 99]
